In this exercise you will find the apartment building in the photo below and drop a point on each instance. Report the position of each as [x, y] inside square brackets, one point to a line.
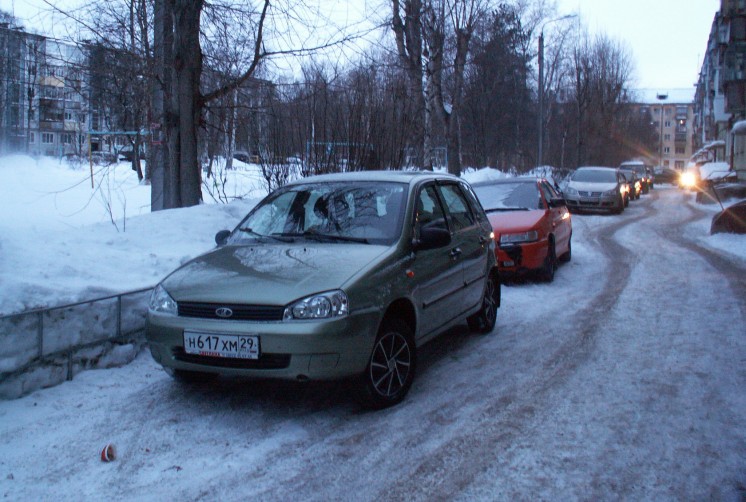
[43, 95]
[720, 101]
[671, 113]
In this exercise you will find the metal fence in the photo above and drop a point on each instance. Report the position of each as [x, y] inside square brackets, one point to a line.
[43, 347]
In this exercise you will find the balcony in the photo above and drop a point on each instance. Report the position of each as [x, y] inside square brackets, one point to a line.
[680, 137]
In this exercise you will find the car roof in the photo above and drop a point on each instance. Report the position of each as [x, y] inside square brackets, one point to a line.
[517, 179]
[600, 168]
[380, 176]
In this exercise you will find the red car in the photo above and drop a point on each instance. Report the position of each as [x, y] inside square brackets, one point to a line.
[531, 223]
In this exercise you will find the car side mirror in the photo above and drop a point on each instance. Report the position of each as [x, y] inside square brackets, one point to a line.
[221, 237]
[432, 238]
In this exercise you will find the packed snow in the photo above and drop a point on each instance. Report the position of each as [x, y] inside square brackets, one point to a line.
[530, 412]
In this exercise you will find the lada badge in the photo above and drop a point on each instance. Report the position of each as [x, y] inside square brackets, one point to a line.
[223, 312]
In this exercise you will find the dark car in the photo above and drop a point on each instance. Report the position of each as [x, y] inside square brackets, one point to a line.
[635, 185]
[666, 175]
[642, 173]
[532, 226]
[334, 276]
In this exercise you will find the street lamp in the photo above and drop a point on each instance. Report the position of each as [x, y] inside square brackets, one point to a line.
[540, 156]
[661, 97]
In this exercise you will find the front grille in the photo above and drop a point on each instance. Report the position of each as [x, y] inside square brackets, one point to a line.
[590, 194]
[240, 312]
[265, 361]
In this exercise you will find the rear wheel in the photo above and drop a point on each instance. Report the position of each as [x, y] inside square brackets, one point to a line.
[484, 320]
[391, 367]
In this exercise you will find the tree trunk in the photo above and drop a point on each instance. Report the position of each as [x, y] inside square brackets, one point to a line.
[158, 154]
[187, 100]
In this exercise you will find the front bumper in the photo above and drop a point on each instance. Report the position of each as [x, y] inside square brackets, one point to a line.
[593, 203]
[297, 350]
[521, 258]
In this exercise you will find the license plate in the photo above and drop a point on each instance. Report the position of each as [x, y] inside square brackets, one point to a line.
[586, 200]
[218, 345]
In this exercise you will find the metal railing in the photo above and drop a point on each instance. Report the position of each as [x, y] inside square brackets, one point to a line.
[50, 345]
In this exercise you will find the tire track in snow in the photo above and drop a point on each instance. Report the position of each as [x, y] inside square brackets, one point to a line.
[459, 461]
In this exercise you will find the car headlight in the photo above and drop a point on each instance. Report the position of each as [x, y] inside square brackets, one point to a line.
[570, 191]
[161, 301]
[319, 306]
[688, 179]
[531, 236]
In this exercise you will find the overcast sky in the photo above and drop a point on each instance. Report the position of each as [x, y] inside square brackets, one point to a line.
[667, 38]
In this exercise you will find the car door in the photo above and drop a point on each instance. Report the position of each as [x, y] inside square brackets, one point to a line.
[558, 215]
[470, 242]
[438, 272]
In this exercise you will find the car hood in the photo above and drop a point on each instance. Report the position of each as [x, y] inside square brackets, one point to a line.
[269, 274]
[515, 221]
[591, 187]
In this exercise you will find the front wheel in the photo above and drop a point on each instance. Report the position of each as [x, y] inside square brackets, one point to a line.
[484, 320]
[391, 367]
[550, 264]
[568, 255]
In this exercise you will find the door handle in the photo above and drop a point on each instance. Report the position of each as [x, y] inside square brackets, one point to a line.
[455, 253]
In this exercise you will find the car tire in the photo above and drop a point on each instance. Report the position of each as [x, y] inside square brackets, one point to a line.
[550, 264]
[567, 256]
[484, 321]
[391, 367]
[192, 377]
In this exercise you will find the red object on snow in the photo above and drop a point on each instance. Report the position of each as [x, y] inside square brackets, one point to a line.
[109, 453]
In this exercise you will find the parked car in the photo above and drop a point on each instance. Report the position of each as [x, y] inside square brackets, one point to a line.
[532, 226]
[642, 172]
[635, 185]
[666, 175]
[593, 188]
[333, 276]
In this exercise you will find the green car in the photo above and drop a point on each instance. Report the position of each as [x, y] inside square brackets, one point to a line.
[333, 276]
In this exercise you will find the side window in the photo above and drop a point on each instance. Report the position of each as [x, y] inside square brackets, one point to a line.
[549, 194]
[429, 210]
[476, 206]
[458, 208]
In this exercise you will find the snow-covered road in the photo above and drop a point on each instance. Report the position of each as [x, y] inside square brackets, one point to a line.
[623, 379]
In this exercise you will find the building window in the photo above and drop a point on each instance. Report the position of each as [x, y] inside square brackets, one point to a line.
[666, 149]
[667, 123]
[68, 116]
[667, 137]
[680, 150]
[47, 138]
[668, 111]
[679, 164]
[31, 137]
[66, 138]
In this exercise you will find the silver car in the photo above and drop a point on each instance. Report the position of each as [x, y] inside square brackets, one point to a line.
[595, 189]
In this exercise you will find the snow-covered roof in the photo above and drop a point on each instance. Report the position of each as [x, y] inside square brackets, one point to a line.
[662, 96]
[739, 127]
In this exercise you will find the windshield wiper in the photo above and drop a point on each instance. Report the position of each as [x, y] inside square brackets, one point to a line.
[276, 237]
[310, 234]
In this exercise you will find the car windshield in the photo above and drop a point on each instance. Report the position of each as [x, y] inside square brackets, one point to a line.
[595, 175]
[628, 175]
[508, 196]
[365, 212]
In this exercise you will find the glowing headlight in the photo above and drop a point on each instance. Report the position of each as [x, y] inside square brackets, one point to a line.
[687, 179]
[161, 301]
[319, 306]
[522, 237]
